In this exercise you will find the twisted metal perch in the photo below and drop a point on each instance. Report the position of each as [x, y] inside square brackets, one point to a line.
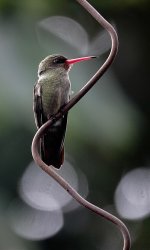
[49, 169]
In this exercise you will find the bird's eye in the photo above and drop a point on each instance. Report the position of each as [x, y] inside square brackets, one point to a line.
[41, 72]
[59, 60]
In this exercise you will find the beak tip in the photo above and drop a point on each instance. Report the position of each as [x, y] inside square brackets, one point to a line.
[94, 57]
[72, 61]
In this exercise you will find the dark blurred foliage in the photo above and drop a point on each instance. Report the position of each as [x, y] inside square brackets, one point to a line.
[108, 131]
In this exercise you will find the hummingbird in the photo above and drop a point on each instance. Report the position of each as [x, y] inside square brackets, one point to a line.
[51, 92]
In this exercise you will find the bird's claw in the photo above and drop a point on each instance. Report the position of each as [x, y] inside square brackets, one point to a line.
[51, 117]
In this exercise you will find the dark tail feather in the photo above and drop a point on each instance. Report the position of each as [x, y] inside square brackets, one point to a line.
[51, 156]
[52, 144]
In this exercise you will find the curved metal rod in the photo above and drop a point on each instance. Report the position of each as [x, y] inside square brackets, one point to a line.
[53, 172]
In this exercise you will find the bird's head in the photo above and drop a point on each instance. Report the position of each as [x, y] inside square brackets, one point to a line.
[59, 63]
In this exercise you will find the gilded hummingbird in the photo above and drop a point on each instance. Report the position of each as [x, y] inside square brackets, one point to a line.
[51, 92]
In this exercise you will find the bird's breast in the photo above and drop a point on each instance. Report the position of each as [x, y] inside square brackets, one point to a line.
[55, 93]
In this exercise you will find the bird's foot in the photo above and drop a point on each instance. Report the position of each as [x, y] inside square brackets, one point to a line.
[51, 117]
[61, 112]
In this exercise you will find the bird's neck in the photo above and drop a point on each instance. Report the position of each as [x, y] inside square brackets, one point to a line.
[54, 74]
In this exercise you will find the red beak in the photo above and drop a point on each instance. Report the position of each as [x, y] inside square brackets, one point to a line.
[72, 61]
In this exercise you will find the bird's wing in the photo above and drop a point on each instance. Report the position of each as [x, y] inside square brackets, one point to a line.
[52, 143]
[37, 105]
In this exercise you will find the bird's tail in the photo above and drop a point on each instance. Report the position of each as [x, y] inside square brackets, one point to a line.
[52, 143]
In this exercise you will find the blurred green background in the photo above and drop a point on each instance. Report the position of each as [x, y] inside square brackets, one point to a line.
[108, 130]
